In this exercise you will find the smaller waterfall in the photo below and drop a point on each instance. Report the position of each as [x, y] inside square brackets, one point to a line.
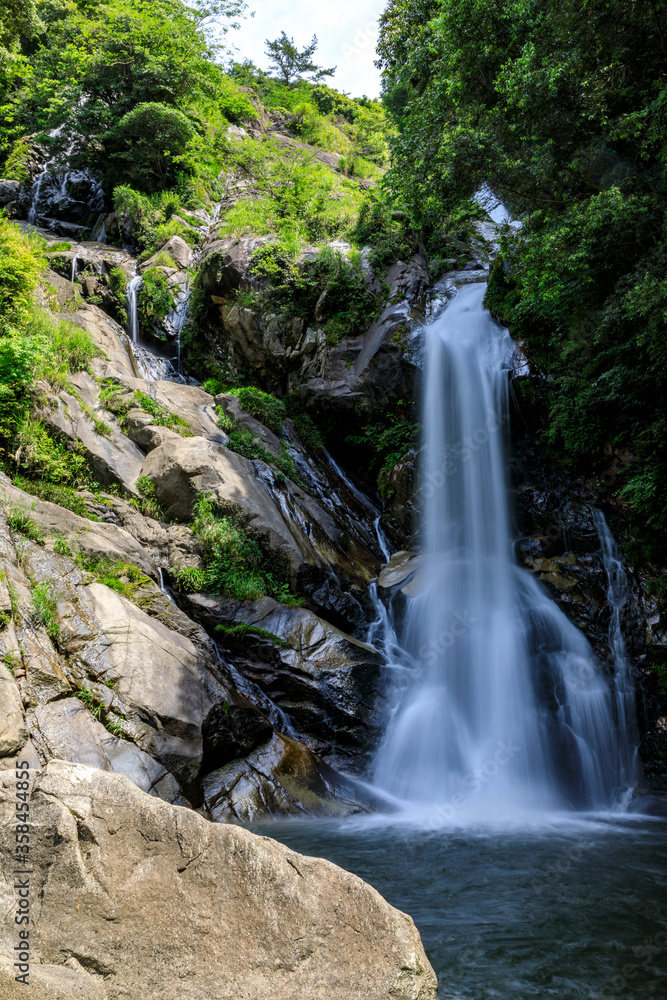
[75, 269]
[36, 194]
[623, 687]
[178, 320]
[98, 233]
[56, 190]
[133, 307]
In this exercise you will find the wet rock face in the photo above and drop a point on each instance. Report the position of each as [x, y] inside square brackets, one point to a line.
[136, 687]
[9, 192]
[557, 540]
[237, 915]
[327, 684]
[282, 777]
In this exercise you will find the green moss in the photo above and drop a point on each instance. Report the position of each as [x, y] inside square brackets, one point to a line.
[120, 575]
[242, 629]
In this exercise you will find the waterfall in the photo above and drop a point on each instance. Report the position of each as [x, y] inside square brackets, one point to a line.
[98, 233]
[618, 593]
[133, 287]
[178, 320]
[75, 269]
[502, 705]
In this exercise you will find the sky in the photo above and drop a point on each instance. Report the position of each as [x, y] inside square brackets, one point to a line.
[346, 31]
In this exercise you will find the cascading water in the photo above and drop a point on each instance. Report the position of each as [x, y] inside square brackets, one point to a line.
[617, 597]
[501, 691]
[133, 287]
[178, 319]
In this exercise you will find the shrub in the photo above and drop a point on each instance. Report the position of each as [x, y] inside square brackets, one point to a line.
[155, 297]
[261, 405]
[308, 432]
[44, 458]
[234, 562]
[147, 142]
[21, 264]
[17, 164]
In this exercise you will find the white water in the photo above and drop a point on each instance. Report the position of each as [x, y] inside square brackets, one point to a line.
[496, 692]
[178, 319]
[617, 597]
[133, 287]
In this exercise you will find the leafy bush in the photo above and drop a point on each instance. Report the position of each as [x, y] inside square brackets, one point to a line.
[17, 164]
[308, 432]
[261, 405]
[147, 143]
[155, 298]
[234, 563]
[40, 456]
[21, 264]
[233, 103]
[386, 235]
[387, 444]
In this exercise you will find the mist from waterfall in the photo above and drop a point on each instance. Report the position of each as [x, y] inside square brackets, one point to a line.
[500, 702]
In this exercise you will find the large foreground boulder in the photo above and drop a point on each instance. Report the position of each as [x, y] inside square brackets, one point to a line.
[144, 899]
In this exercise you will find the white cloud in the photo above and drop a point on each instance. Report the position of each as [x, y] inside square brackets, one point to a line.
[346, 31]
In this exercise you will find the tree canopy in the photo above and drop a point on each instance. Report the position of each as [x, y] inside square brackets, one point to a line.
[291, 64]
[561, 108]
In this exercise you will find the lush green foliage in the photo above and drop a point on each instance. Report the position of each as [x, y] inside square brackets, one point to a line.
[266, 408]
[291, 63]
[234, 562]
[147, 143]
[562, 110]
[19, 519]
[155, 298]
[34, 347]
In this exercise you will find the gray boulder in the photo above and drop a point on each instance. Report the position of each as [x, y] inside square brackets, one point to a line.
[155, 902]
